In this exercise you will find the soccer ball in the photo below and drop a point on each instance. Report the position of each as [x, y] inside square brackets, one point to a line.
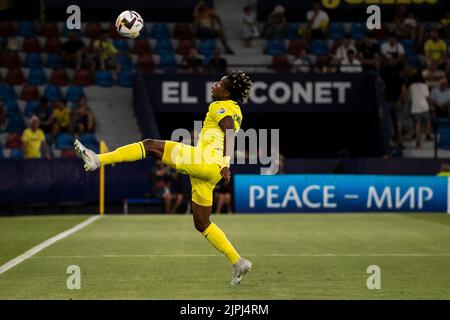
[129, 24]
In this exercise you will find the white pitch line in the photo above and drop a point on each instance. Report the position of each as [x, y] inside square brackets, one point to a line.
[253, 255]
[28, 254]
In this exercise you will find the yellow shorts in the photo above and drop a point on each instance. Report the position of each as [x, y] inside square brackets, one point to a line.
[204, 175]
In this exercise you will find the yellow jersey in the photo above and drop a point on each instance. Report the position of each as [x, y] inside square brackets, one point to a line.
[33, 142]
[436, 49]
[62, 116]
[211, 138]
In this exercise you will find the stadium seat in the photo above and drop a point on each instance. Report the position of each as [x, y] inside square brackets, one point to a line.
[409, 46]
[29, 92]
[59, 77]
[167, 60]
[336, 31]
[53, 92]
[31, 45]
[295, 46]
[442, 134]
[141, 46]
[27, 29]
[121, 45]
[74, 92]
[160, 31]
[64, 141]
[52, 45]
[13, 141]
[7, 92]
[88, 139]
[16, 154]
[163, 46]
[414, 61]
[291, 31]
[12, 108]
[275, 47]
[92, 30]
[33, 60]
[104, 78]
[37, 77]
[184, 46]
[66, 32]
[145, 63]
[68, 153]
[206, 47]
[49, 29]
[6, 29]
[182, 31]
[82, 78]
[14, 76]
[281, 63]
[30, 108]
[16, 124]
[125, 78]
[125, 62]
[11, 59]
[54, 61]
[357, 31]
[319, 48]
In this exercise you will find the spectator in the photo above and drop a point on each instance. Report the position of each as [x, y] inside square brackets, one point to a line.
[301, 63]
[432, 75]
[72, 51]
[445, 25]
[207, 24]
[44, 113]
[12, 45]
[435, 48]
[351, 64]
[250, 27]
[276, 22]
[217, 64]
[83, 117]
[368, 52]
[420, 110]
[343, 46]
[176, 189]
[33, 139]
[61, 118]
[161, 174]
[104, 52]
[2, 116]
[392, 46]
[317, 21]
[440, 99]
[405, 24]
[222, 195]
[193, 62]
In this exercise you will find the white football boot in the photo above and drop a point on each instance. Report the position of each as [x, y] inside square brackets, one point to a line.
[89, 157]
[239, 269]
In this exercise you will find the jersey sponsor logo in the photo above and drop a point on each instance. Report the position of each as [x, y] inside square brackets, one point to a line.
[221, 111]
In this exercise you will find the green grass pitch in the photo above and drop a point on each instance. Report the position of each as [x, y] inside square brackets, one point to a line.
[320, 256]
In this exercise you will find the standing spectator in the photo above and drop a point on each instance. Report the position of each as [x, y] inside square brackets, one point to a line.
[317, 21]
[420, 110]
[222, 194]
[162, 179]
[392, 46]
[2, 116]
[405, 24]
[250, 27]
[207, 24]
[435, 49]
[432, 75]
[193, 62]
[104, 52]
[61, 118]
[301, 63]
[217, 64]
[83, 117]
[445, 25]
[368, 52]
[276, 22]
[176, 190]
[44, 113]
[33, 139]
[351, 64]
[72, 51]
[440, 99]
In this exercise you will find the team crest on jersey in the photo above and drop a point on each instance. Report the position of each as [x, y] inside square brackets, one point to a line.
[221, 111]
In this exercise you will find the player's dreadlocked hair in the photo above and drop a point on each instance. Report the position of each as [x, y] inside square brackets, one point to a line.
[240, 86]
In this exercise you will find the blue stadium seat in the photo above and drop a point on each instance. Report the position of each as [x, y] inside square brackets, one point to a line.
[90, 141]
[125, 62]
[121, 45]
[160, 31]
[206, 47]
[64, 141]
[125, 78]
[12, 108]
[16, 154]
[66, 31]
[104, 78]
[318, 48]
[30, 108]
[16, 124]
[275, 47]
[54, 61]
[167, 60]
[74, 92]
[33, 60]
[409, 46]
[163, 46]
[1, 152]
[7, 92]
[443, 134]
[357, 31]
[414, 60]
[291, 31]
[37, 77]
[27, 29]
[336, 31]
[53, 93]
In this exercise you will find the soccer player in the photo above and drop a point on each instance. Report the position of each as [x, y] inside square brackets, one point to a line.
[206, 163]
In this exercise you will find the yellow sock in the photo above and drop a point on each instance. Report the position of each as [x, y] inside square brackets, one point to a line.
[219, 240]
[128, 153]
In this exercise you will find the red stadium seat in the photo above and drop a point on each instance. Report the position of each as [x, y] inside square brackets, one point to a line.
[29, 92]
[68, 153]
[295, 46]
[59, 77]
[92, 30]
[281, 63]
[82, 78]
[31, 44]
[145, 63]
[11, 59]
[49, 29]
[141, 46]
[6, 29]
[184, 46]
[13, 141]
[182, 31]
[14, 76]
[52, 45]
